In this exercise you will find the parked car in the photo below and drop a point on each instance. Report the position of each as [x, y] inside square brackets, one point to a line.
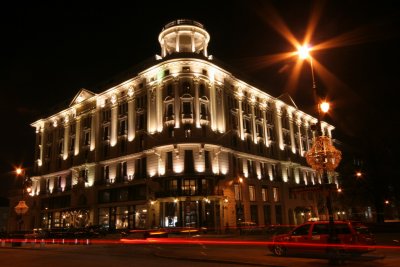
[312, 238]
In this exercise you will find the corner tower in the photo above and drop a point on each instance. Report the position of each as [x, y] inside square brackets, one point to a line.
[183, 35]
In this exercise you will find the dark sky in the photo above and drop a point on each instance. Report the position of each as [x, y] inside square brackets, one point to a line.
[49, 51]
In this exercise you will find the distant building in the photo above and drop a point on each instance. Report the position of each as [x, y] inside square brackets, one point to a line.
[180, 141]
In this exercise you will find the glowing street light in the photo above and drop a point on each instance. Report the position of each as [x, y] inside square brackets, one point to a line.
[322, 156]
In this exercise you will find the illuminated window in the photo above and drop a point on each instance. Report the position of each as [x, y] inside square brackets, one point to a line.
[275, 193]
[264, 194]
[252, 193]
[237, 190]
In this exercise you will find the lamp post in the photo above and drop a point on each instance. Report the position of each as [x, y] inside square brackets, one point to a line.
[322, 156]
[21, 207]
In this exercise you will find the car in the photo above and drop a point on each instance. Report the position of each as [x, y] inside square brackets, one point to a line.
[312, 238]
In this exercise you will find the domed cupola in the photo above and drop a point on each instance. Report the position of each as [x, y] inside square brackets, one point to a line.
[183, 35]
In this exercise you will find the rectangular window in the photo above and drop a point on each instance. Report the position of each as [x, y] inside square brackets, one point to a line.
[122, 127]
[207, 164]
[106, 172]
[275, 193]
[106, 115]
[106, 133]
[86, 141]
[169, 161]
[267, 214]
[173, 185]
[189, 187]
[264, 194]
[237, 190]
[252, 193]
[189, 161]
[187, 108]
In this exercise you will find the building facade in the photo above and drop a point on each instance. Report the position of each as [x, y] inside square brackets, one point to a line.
[181, 142]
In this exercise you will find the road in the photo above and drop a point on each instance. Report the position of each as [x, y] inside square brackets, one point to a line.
[159, 254]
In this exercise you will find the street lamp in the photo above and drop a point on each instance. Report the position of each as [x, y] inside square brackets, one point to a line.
[21, 207]
[322, 156]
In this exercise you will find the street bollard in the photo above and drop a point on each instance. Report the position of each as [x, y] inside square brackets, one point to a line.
[76, 241]
[87, 241]
[42, 243]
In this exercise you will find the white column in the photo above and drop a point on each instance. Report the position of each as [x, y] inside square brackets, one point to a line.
[159, 108]
[265, 128]
[193, 44]
[306, 125]
[278, 125]
[163, 49]
[42, 133]
[213, 107]
[298, 122]
[177, 42]
[220, 110]
[177, 103]
[241, 119]
[131, 119]
[196, 103]
[205, 52]
[77, 135]
[292, 140]
[114, 120]
[66, 140]
[152, 109]
[93, 127]
[253, 122]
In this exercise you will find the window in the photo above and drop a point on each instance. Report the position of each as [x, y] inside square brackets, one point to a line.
[122, 127]
[275, 193]
[189, 161]
[72, 143]
[169, 161]
[264, 194]
[320, 229]
[106, 172]
[170, 90]
[123, 109]
[106, 115]
[84, 175]
[207, 163]
[186, 87]
[202, 90]
[189, 187]
[173, 186]
[170, 112]
[187, 109]
[237, 190]
[106, 132]
[252, 193]
[86, 140]
[302, 230]
[203, 112]
[124, 171]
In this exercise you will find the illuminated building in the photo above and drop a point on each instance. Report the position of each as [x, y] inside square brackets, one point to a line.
[166, 145]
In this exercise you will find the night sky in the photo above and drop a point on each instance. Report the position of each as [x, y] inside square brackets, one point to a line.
[49, 51]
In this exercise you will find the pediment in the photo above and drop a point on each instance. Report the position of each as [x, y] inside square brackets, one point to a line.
[81, 96]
